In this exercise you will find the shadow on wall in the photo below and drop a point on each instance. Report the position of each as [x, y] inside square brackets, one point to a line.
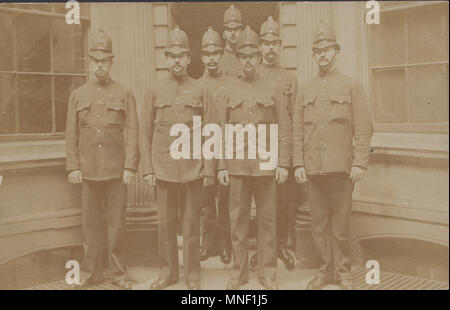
[408, 256]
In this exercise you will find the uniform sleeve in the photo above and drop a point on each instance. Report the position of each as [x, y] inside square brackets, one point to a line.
[210, 117]
[298, 130]
[146, 126]
[72, 159]
[284, 129]
[223, 119]
[362, 127]
[131, 146]
[294, 89]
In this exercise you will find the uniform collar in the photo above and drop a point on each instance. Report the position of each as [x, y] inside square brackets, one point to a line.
[229, 49]
[252, 78]
[105, 83]
[208, 75]
[331, 72]
[179, 80]
[274, 66]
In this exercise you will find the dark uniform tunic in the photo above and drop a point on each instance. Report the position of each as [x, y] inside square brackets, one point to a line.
[290, 192]
[332, 134]
[229, 64]
[101, 141]
[255, 102]
[168, 102]
[216, 235]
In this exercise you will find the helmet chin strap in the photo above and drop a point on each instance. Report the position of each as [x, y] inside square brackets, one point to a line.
[328, 68]
[179, 75]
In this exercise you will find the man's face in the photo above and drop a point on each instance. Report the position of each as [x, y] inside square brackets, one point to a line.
[178, 63]
[211, 59]
[249, 62]
[325, 57]
[270, 50]
[101, 67]
[231, 34]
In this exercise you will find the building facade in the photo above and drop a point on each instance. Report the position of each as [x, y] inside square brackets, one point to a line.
[401, 208]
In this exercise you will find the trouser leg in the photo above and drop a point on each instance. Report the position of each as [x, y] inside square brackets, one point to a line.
[114, 197]
[239, 206]
[281, 215]
[340, 189]
[167, 201]
[209, 219]
[93, 230]
[321, 223]
[223, 217]
[191, 230]
[265, 191]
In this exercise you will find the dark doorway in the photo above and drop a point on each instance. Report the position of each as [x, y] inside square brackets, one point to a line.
[194, 19]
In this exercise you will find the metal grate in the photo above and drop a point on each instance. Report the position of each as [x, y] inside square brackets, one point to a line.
[388, 281]
[395, 281]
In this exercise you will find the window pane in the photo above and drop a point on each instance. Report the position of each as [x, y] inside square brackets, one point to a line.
[35, 108]
[64, 85]
[427, 37]
[429, 94]
[33, 43]
[7, 110]
[388, 40]
[389, 96]
[67, 47]
[6, 37]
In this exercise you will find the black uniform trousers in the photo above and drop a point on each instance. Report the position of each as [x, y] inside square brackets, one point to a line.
[264, 189]
[103, 206]
[167, 201]
[287, 198]
[216, 233]
[330, 200]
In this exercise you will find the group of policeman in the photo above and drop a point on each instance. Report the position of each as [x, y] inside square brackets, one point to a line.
[323, 137]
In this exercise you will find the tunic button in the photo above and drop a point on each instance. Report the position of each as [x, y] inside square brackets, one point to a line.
[98, 116]
[99, 145]
[321, 110]
[99, 131]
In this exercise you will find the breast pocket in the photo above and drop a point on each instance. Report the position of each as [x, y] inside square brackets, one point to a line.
[192, 107]
[266, 112]
[163, 110]
[83, 110]
[308, 112]
[341, 108]
[234, 113]
[115, 114]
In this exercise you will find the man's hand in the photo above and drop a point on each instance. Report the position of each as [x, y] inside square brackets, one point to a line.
[150, 179]
[281, 175]
[75, 177]
[223, 177]
[357, 174]
[208, 180]
[300, 175]
[128, 176]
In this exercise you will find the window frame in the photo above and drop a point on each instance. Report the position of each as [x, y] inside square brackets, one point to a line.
[432, 128]
[53, 135]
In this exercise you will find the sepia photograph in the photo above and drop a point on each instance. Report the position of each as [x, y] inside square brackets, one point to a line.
[224, 146]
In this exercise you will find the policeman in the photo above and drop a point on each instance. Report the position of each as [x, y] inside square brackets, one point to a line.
[270, 45]
[332, 135]
[102, 155]
[175, 100]
[216, 236]
[232, 28]
[254, 101]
